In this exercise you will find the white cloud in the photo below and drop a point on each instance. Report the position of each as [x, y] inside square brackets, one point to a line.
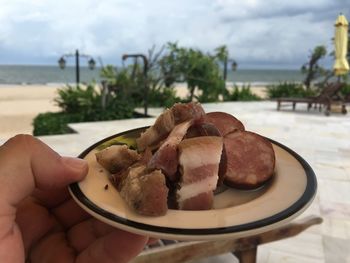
[255, 31]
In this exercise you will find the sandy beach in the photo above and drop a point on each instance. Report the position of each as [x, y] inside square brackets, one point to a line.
[19, 104]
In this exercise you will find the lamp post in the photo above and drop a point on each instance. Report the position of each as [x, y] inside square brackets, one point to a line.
[233, 66]
[145, 70]
[62, 63]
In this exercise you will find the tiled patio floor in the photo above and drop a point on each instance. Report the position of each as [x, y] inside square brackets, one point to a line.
[324, 142]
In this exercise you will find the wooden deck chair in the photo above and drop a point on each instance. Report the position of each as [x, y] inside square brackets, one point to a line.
[329, 96]
[245, 249]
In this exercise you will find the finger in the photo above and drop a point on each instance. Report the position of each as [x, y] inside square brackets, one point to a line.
[152, 241]
[51, 198]
[65, 209]
[69, 213]
[82, 235]
[27, 163]
[117, 246]
[35, 221]
[54, 249]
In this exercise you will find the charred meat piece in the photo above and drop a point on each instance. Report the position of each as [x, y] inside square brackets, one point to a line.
[116, 158]
[167, 121]
[202, 129]
[145, 192]
[118, 177]
[187, 111]
[157, 132]
[250, 159]
[224, 122]
[199, 165]
[146, 156]
[165, 158]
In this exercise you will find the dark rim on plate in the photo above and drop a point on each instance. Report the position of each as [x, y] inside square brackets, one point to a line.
[308, 195]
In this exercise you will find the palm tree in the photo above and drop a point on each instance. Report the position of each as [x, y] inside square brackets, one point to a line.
[222, 55]
[311, 68]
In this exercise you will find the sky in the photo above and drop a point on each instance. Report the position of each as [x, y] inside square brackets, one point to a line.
[257, 33]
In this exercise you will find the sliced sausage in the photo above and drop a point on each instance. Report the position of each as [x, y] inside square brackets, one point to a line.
[250, 160]
[224, 122]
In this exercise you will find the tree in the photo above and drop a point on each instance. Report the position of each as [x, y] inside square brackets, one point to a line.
[154, 75]
[197, 69]
[222, 55]
[348, 54]
[311, 68]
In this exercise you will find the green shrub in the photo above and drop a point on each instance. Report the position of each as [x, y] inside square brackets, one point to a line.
[77, 99]
[287, 89]
[345, 91]
[50, 123]
[57, 122]
[241, 94]
[81, 105]
[162, 97]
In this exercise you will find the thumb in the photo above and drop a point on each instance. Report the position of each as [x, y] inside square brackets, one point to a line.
[27, 163]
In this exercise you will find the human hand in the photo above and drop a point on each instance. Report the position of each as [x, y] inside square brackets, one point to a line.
[39, 222]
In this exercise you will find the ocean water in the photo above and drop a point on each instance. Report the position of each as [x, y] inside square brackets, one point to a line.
[44, 74]
[264, 76]
[16, 74]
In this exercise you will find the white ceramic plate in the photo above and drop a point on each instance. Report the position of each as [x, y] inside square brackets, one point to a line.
[236, 213]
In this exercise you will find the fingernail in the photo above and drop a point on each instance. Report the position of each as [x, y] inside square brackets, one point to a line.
[75, 163]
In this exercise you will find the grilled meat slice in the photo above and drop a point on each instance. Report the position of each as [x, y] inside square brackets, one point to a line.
[166, 157]
[163, 125]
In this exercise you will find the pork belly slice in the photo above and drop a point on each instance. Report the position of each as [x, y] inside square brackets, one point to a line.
[145, 192]
[163, 125]
[199, 160]
[250, 160]
[224, 122]
[165, 158]
[117, 157]
[203, 128]
[202, 201]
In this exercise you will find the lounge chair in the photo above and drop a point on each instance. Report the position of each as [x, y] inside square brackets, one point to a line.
[245, 248]
[329, 96]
